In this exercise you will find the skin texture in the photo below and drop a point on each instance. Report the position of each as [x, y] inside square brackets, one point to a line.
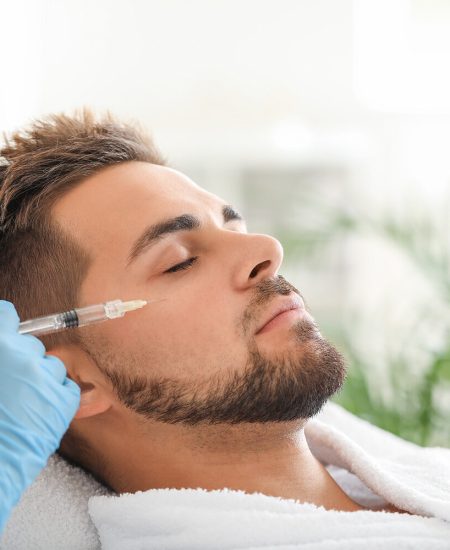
[184, 392]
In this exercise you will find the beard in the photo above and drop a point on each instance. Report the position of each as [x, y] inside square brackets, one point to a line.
[292, 385]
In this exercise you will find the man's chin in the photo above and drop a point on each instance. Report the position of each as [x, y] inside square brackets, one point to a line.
[293, 381]
[305, 330]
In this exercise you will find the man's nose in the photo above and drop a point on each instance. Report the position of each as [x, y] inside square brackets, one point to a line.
[259, 258]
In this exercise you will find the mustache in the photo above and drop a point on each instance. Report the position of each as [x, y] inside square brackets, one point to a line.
[268, 288]
[265, 291]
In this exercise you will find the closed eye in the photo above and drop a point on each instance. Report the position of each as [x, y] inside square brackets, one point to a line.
[183, 265]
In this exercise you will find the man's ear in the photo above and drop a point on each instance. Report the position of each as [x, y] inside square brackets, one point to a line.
[96, 395]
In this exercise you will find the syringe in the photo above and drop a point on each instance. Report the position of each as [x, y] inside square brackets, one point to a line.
[79, 317]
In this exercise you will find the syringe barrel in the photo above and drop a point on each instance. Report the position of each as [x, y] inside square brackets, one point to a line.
[79, 317]
[42, 325]
[99, 312]
[90, 314]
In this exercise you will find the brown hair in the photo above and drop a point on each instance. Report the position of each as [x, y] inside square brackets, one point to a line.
[41, 266]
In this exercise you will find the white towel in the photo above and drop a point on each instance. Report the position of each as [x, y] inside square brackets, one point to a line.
[367, 462]
[211, 520]
[53, 513]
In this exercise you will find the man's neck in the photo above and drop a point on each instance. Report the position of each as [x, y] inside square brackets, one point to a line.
[269, 458]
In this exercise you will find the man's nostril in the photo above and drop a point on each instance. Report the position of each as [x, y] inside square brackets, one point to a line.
[258, 268]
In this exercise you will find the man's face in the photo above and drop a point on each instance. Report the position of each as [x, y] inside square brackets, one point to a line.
[198, 355]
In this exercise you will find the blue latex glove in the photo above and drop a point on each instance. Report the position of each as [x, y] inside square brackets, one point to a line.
[37, 404]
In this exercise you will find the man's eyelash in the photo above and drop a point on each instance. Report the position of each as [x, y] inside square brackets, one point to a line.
[184, 265]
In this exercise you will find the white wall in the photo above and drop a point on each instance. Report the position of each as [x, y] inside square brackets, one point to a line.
[227, 86]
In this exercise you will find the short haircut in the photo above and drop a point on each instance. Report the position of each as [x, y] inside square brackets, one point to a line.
[41, 265]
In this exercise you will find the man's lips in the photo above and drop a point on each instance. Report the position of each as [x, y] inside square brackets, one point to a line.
[286, 304]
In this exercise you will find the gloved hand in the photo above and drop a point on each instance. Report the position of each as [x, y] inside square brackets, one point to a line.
[37, 404]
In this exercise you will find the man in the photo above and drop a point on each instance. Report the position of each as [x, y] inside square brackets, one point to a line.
[209, 386]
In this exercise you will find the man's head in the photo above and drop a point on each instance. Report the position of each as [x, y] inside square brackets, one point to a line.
[94, 215]
[42, 265]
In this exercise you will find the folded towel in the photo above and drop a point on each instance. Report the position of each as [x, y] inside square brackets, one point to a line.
[376, 465]
[413, 478]
[191, 519]
[53, 513]
[371, 465]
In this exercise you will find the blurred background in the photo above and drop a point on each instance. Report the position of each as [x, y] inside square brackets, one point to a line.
[326, 122]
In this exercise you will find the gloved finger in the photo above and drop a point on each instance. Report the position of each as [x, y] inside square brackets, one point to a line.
[74, 389]
[55, 367]
[9, 320]
[32, 344]
[70, 401]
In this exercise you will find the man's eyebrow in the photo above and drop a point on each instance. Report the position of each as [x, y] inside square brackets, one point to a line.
[186, 222]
